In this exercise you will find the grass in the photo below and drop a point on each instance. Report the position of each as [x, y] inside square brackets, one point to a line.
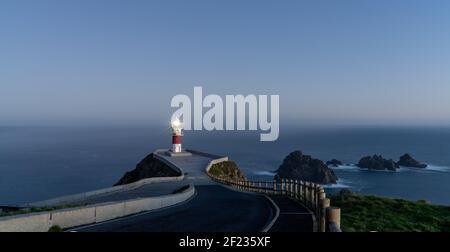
[360, 213]
[55, 229]
[35, 210]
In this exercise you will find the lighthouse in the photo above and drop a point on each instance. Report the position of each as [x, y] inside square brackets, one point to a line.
[177, 135]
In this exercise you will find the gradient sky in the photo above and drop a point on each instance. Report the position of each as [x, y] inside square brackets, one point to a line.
[368, 62]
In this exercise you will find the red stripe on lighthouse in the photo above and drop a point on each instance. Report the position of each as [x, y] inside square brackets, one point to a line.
[176, 139]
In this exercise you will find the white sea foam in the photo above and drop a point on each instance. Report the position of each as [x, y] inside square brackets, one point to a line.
[340, 184]
[431, 168]
[347, 167]
[438, 168]
[264, 173]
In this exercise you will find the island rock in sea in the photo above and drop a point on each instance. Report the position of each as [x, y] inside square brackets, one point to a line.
[377, 162]
[149, 167]
[334, 163]
[407, 161]
[304, 167]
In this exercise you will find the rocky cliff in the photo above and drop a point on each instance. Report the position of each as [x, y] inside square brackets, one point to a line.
[149, 167]
[304, 167]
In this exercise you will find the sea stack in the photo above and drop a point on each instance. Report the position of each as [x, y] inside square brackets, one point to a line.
[408, 161]
[334, 163]
[304, 167]
[377, 162]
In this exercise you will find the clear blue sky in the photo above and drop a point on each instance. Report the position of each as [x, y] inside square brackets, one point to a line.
[330, 61]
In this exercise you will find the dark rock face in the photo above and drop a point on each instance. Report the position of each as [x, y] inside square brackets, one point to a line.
[304, 167]
[407, 161]
[334, 163]
[149, 167]
[377, 162]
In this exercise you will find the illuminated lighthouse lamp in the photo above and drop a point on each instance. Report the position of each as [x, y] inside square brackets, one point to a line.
[177, 135]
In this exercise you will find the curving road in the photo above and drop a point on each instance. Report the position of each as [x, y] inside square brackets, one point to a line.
[214, 209]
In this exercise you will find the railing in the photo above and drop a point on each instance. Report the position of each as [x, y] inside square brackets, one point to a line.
[311, 195]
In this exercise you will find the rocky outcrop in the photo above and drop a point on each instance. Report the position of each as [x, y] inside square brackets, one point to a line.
[334, 163]
[407, 161]
[377, 162]
[304, 167]
[149, 167]
[227, 170]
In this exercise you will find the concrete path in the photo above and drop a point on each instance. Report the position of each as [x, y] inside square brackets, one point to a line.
[214, 209]
[150, 190]
[192, 166]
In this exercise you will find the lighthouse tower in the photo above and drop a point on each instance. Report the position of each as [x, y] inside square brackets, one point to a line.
[177, 135]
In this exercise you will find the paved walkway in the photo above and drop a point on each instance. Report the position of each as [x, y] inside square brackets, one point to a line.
[193, 168]
[150, 190]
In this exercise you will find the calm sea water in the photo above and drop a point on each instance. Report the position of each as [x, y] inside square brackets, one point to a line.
[37, 163]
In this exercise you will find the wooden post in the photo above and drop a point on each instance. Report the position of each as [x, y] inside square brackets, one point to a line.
[286, 181]
[312, 192]
[325, 203]
[301, 191]
[289, 188]
[296, 189]
[320, 196]
[293, 188]
[306, 193]
[333, 217]
[274, 186]
[288, 185]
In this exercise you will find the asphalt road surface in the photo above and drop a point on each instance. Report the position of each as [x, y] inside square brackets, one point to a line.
[214, 209]
[293, 217]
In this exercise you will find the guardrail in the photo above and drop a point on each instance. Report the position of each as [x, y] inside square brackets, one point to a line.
[73, 198]
[311, 195]
[78, 216]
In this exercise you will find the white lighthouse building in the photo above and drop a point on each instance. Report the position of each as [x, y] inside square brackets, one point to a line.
[177, 136]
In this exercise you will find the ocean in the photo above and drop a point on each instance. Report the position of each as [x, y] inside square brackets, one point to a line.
[38, 163]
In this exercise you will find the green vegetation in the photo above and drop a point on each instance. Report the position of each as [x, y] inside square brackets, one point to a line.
[371, 213]
[55, 229]
[35, 210]
[227, 170]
